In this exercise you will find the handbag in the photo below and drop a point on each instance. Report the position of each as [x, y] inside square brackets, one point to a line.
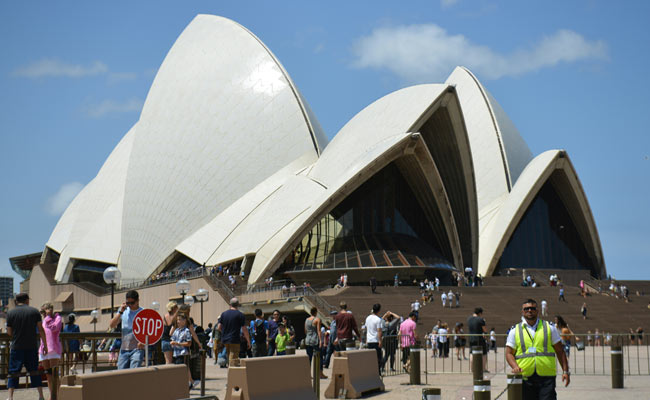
[580, 346]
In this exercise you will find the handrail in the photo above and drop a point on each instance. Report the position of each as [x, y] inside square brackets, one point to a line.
[318, 301]
[220, 287]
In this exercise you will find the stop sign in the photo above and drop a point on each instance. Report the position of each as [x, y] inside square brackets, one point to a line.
[148, 326]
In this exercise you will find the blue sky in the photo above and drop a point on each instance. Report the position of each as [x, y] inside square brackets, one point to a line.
[572, 75]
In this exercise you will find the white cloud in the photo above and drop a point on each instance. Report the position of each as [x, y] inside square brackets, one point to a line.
[447, 3]
[57, 203]
[48, 67]
[114, 107]
[427, 53]
[117, 77]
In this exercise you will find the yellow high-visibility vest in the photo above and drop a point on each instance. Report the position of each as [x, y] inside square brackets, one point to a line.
[536, 353]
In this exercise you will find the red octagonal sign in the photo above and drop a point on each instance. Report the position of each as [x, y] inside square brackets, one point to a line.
[148, 326]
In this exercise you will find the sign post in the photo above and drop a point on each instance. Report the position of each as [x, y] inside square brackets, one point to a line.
[147, 329]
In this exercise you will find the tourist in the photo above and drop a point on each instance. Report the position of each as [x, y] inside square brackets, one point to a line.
[544, 305]
[180, 341]
[538, 365]
[392, 322]
[415, 307]
[346, 325]
[443, 343]
[24, 326]
[259, 333]
[165, 340]
[52, 326]
[561, 296]
[73, 345]
[476, 326]
[583, 310]
[273, 331]
[313, 338]
[374, 333]
[459, 340]
[231, 323]
[457, 296]
[373, 284]
[493, 340]
[408, 338]
[443, 299]
[281, 339]
[289, 327]
[331, 347]
[450, 298]
[131, 351]
[565, 334]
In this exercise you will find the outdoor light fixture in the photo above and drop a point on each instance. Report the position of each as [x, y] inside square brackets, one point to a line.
[182, 287]
[95, 316]
[202, 296]
[112, 275]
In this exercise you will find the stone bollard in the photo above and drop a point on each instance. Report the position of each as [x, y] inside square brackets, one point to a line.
[202, 352]
[316, 371]
[477, 363]
[515, 387]
[291, 349]
[431, 394]
[349, 345]
[617, 367]
[482, 390]
[414, 369]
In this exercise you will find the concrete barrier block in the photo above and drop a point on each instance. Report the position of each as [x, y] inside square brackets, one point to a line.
[164, 382]
[355, 373]
[270, 378]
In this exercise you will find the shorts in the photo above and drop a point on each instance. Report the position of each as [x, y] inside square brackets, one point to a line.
[48, 356]
[481, 343]
[165, 345]
[179, 360]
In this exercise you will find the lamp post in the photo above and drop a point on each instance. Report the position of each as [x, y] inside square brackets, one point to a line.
[182, 287]
[95, 315]
[155, 305]
[202, 296]
[112, 275]
[189, 300]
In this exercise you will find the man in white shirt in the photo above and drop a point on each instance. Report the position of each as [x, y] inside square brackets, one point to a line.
[450, 297]
[416, 308]
[443, 298]
[373, 333]
[526, 341]
[544, 308]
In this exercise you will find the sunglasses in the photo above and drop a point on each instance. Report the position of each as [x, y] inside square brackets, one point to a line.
[530, 308]
[130, 303]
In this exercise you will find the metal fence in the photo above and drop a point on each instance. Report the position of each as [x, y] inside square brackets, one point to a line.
[594, 359]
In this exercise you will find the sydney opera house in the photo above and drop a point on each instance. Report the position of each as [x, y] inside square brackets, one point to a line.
[228, 165]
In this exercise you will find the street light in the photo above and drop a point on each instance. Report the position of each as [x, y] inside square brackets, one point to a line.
[182, 287]
[202, 296]
[95, 315]
[112, 275]
[155, 305]
[189, 300]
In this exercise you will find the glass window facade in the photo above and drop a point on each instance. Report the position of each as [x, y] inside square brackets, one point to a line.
[546, 237]
[380, 224]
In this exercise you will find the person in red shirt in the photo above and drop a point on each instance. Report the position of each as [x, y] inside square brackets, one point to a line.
[346, 325]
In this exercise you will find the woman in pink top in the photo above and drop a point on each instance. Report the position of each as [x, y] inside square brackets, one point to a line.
[407, 338]
[52, 326]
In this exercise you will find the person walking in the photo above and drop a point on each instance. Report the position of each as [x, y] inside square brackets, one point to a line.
[73, 345]
[392, 322]
[415, 307]
[450, 298]
[131, 352]
[443, 299]
[476, 326]
[273, 331]
[544, 308]
[313, 338]
[52, 326]
[165, 340]
[24, 326]
[346, 325]
[374, 333]
[373, 284]
[331, 347]
[231, 324]
[561, 296]
[459, 340]
[531, 349]
[443, 343]
[583, 310]
[408, 338]
[260, 331]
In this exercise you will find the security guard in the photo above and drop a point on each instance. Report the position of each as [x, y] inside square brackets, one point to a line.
[531, 348]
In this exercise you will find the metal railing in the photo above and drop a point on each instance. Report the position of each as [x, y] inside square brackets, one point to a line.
[318, 301]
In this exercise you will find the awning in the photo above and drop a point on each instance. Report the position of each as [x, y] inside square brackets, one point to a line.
[63, 297]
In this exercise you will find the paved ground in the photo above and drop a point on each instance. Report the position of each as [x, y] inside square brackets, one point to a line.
[453, 385]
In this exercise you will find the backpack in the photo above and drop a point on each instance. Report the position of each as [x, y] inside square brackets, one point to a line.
[260, 332]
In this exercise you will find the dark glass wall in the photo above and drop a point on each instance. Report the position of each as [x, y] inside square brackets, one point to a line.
[379, 224]
[546, 237]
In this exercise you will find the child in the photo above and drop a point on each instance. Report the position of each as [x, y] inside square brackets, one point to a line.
[281, 340]
[181, 342]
